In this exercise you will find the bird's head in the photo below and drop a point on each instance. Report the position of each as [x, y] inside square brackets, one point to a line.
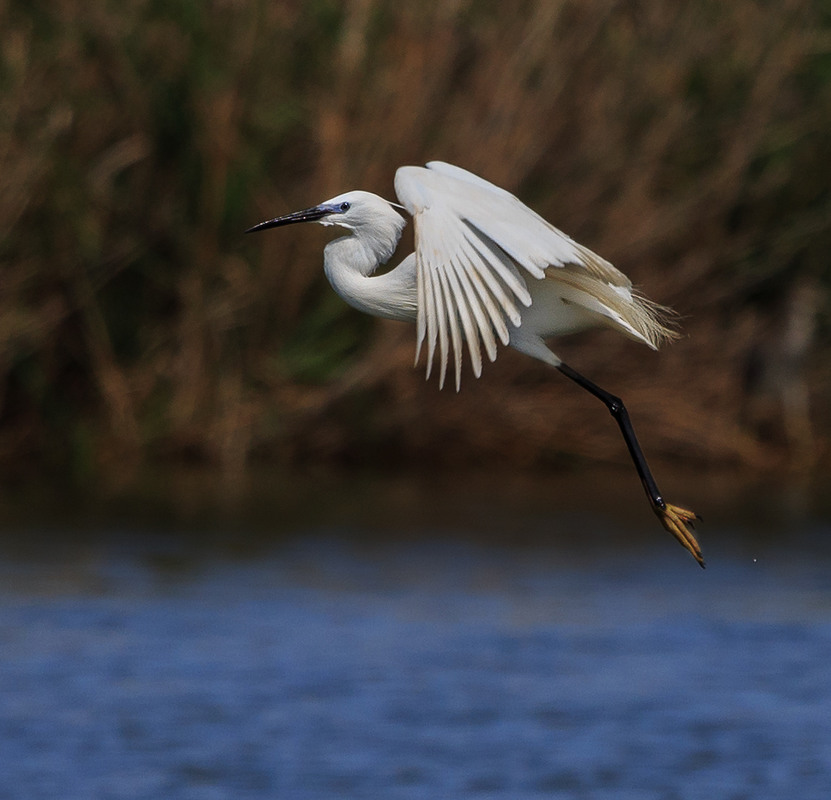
[353, 210]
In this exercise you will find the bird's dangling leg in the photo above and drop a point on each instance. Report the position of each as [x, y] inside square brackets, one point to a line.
[678, 521]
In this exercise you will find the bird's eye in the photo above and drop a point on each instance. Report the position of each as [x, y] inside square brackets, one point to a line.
[345, 207]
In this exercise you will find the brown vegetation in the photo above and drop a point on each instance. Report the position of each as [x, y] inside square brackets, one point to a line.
[688, 143]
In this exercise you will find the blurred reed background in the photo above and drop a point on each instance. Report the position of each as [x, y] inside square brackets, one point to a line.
[689, 143]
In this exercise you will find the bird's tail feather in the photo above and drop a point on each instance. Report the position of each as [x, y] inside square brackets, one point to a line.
[619, 307]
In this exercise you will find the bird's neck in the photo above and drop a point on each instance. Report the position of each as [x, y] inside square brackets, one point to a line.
[350, 263]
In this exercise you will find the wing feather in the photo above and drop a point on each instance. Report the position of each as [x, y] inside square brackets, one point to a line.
[444, 307]
[482, 329]
[496, 269]
[454, 309]
[476, 247]
[493, 297]
[471, 330]
[421, 320]
[430, 314]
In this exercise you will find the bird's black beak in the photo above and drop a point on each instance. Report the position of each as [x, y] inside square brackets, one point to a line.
[307, 215]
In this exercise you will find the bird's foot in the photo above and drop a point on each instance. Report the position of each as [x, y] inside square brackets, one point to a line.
[680, 523]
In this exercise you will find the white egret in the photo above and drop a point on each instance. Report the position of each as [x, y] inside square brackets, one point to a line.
[486, 268]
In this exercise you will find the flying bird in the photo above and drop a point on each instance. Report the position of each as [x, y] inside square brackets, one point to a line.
[486, 269]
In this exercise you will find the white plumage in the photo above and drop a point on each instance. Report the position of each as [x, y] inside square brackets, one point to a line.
[486, 269]
[483, 258]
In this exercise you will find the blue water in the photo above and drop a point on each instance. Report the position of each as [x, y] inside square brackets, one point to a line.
[325, 663]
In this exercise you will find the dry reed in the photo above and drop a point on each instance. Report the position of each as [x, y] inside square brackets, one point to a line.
[688, 143]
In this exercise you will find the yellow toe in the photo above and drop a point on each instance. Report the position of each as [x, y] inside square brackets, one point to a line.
[680, 523]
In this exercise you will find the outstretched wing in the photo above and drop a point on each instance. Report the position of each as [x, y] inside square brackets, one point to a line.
[476, 245]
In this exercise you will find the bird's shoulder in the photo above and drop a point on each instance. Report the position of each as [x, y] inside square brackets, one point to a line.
[442, 184]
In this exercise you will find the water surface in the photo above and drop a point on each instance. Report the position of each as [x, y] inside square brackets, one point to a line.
[385, 656]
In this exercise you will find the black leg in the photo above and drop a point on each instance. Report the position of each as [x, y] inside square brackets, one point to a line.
[621, 415]
[676, 520]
